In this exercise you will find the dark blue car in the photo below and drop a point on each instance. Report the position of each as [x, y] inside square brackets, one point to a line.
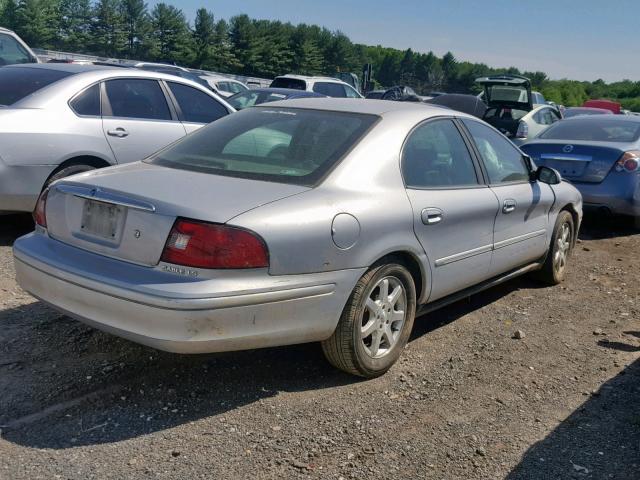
[599, 154]
[263, 95]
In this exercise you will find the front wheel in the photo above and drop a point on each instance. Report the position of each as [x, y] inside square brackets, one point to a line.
[554, 269]
[375, 324]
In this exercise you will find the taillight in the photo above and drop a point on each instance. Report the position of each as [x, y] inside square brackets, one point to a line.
[40, 214]
[629, 161]
[208, 245]
[523, 130]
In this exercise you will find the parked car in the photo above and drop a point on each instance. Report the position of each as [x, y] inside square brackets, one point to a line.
[258, 96]
[600, 155]
[513, 108]
[614, 107]
[463, 103]
[331, 87]
[375, 94]
[60, 119]
[296, 222]
[173, 70]
[575, 111]
[223, 86]
[13, 50]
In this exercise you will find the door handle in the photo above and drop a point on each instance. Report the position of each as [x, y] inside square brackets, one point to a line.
[118, 132]
[431, 216]
[508, 206]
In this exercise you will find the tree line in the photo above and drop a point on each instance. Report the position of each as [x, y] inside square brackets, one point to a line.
[262, 48]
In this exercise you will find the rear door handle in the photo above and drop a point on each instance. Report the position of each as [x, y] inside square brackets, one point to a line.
[431, 216]
[118, 132]
[509, 205]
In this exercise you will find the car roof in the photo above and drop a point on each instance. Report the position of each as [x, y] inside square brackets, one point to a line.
[63, 67]
[359, 105]
[604, 118]
[312, 78]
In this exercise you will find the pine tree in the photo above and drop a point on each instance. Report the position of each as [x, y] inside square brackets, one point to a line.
[37, 22]
[107, 30]
[170, 34]
[8, 14]
[75, 25]
[204, 38]
[137, 26]
[223, 57]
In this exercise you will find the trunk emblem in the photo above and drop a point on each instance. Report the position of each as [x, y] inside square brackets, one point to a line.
[137, 234]
[567, 148]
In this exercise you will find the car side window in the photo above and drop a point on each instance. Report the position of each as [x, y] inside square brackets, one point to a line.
[87, 102]
[351, 92]
[503, 161]
[329, 89]
[196, 106]
[137, 98]
[435, 156]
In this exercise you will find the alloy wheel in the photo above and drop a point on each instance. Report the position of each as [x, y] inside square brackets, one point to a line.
[383, 317]
[563, 245]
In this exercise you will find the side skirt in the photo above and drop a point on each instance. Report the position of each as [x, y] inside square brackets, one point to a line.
[467, 292]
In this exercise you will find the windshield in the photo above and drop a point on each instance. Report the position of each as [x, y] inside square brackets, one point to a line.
[251, 98]
[574, 112]
[296, 146]
[11, 52]
[596, 129]
[285, 82]
[17, 83]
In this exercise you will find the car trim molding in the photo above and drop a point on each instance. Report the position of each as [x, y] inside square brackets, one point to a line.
[463, 255]
[518, 239]
[104, 196]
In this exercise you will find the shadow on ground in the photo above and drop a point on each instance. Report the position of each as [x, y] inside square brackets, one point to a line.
[14, 226]
[600, 440]
[598, 226]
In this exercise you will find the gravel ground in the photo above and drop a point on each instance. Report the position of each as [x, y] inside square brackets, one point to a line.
[466, 401]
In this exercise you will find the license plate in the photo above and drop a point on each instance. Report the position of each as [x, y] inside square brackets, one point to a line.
[101, 219]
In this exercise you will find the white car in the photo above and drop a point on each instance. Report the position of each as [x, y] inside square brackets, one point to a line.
[13, 50]
[224, 86]
[331, 87]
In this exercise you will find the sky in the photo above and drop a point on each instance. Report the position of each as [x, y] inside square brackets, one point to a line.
[576, 39]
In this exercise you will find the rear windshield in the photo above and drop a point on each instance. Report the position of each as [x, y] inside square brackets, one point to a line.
[284, 82]
[251, 98]
[598, 129]
[17, 83]
[11, 52]
[574, 112]
[503, 93]
[295, 146]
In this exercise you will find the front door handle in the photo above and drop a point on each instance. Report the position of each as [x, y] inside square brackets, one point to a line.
[118, 132]
[509, 205]
[431, 216]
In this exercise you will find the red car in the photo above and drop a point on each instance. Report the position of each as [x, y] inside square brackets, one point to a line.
[606, 104]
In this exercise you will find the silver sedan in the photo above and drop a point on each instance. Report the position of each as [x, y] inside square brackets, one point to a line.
[326, 220]
[60, 119]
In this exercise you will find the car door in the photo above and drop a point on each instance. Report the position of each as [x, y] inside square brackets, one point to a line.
[520, 231]
[137, 119]
[454, 211]
[194, 107]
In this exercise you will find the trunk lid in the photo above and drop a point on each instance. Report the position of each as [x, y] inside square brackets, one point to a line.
[510, 91]
[576, 161]
[127, 212]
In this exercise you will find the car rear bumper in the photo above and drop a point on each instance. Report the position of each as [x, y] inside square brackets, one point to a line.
[177, 314]
[619, 193]
[21, 185]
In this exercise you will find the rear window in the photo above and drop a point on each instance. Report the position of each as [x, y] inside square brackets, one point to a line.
[17, 83]
[503, 93]
[597, 129]
[295, 146]
[252, 97]
[284, 82]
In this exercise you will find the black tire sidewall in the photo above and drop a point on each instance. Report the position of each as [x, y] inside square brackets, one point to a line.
[67, 172]
[371, 367]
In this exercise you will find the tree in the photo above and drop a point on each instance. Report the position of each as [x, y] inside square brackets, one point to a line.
[223, 57]
[107, 30]
[37, 21]
[170, 35]
[8, 14]
[135, 19]
[204, 38]
[75, 25]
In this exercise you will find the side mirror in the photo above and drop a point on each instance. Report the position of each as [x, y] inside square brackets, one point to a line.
[548, 175]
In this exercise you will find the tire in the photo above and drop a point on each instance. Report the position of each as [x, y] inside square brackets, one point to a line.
[67, 171]
[555, 266]
[371, 356]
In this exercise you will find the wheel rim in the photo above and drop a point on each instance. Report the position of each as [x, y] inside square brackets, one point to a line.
[563, 245]
[383, 317]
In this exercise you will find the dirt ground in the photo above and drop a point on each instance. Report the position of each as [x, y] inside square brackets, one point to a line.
[466, 401]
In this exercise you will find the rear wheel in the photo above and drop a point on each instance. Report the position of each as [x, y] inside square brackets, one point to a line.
[68, 171]
[554, 269]
[375, 324]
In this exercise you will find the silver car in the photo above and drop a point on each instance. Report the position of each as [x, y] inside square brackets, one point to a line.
[308, 220]
[61, 119]
[13, 50]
